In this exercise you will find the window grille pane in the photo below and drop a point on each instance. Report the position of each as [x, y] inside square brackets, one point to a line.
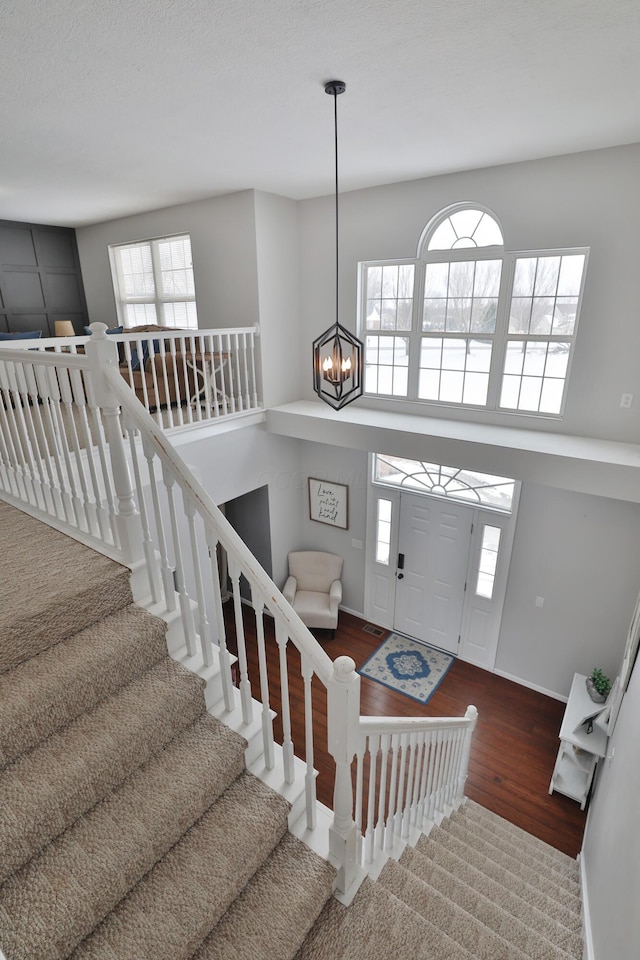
[463, 364]
[136, 270]
[389, 302]
[545, 295]
[176, 267]
[386, 365]
[138, 314]
[451, 482]
[181, 315]
[466, 228]
[461, 296]
[488, 561]
[535, 375]
[383, 532]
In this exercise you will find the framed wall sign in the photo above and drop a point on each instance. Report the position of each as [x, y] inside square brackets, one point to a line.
[329, 502]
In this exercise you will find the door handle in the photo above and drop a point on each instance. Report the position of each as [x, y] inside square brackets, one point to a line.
[400, 576]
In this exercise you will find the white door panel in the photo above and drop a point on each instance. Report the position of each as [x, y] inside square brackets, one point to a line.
[434, 538]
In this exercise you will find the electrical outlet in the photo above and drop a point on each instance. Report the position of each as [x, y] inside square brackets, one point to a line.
[626, 400]
[539, 601]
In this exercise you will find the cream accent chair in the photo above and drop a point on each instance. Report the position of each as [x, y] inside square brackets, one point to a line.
[314, 588]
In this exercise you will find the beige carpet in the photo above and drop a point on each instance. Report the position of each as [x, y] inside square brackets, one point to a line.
[130, 828]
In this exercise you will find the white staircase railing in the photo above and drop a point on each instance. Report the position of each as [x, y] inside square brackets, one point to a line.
[80, 451]
[181, 377]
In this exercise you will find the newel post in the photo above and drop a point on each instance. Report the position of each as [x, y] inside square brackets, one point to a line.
[471, 713]
[102, 352]
[343, 734]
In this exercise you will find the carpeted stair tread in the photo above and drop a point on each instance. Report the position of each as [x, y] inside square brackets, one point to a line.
[454, 855]
[174, 908]
[45, 790]
[482, 942]
[48, 691]
[69, 587]
[377, 926]
[277, 908]
[519, 928]
[483, 874]
[49, 906]
[565, 888]
[541, 850]
[563, 868]
[476, 893]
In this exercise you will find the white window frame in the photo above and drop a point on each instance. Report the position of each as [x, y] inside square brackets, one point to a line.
[478, 504]
[159, 299]
[499, 338]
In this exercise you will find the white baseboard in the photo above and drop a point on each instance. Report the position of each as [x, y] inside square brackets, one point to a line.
[589, 952]
[531, 686]
[354, 613]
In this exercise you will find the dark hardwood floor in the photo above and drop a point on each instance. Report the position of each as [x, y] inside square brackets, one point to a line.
[514, 746]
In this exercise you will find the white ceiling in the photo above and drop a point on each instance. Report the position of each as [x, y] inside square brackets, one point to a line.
[116, 107]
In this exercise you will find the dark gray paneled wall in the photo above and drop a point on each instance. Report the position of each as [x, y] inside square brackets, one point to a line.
[40, 279]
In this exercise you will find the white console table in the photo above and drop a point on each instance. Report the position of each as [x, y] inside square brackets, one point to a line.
[579, 751]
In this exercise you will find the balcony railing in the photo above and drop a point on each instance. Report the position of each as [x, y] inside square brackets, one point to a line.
[181, 377]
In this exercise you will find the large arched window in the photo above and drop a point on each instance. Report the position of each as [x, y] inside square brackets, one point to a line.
[467, 323]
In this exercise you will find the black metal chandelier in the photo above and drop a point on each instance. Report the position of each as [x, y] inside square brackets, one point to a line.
[337, 353]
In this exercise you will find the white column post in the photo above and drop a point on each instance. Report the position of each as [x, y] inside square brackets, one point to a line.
[103, 353]
[471, 713]
[343, 736]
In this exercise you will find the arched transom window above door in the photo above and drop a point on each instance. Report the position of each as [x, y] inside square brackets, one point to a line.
[468, 323]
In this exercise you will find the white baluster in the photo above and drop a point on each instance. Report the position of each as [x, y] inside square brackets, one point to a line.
[186, 613]
[80, 407]
[100, 444]
[395, 749]
[166, 570]
[47, 386]
[203, 623]
[382, 795]
[224, 367]
[374, 742]
[245, 684]
[282, 639]
[426, 767]
[85, 507]
[245, 371]
[402, 780]
[267, 719]
[151, 562]
[237, 390]
[406, 813]
[358, 809]
[310, 774]
[439, 769]
[433, 750]
[252, 365]
[417, 775]
[164, 380]
[225, 660]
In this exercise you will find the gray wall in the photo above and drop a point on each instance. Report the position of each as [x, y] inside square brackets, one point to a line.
[40, 279]
[223, 242]
[611, 849]
[582, 555]
[588, 199]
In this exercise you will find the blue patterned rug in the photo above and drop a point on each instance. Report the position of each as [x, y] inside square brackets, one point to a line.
[408, 666]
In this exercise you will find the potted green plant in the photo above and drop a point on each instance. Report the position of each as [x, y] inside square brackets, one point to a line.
[598, 686]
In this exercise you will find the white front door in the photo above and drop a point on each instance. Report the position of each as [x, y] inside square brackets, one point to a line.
[433, 553]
